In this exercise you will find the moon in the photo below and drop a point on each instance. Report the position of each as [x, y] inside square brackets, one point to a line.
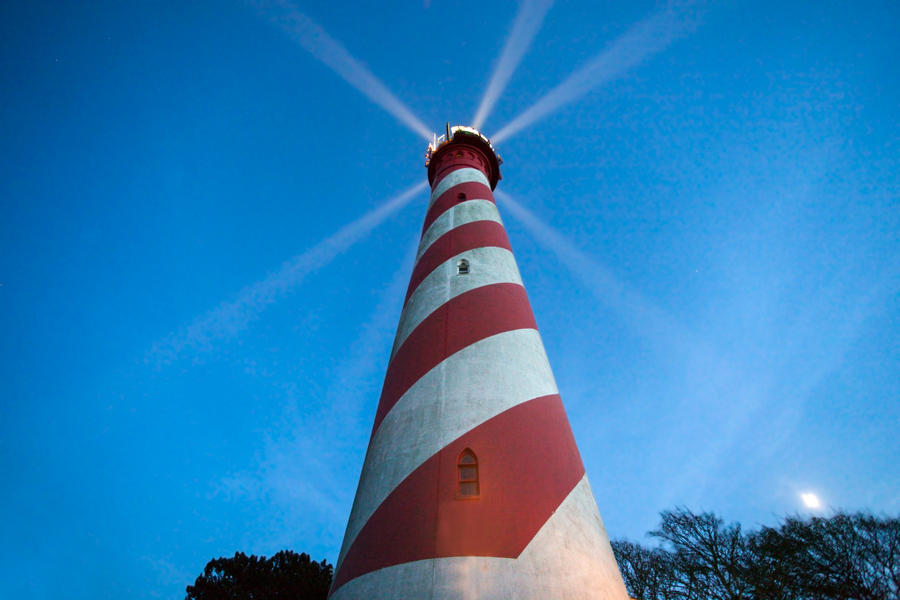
[810, 500]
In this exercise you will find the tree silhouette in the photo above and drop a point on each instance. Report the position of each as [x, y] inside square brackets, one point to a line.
[709, 559]
[842, 557]
[648, 573]
[285, 575]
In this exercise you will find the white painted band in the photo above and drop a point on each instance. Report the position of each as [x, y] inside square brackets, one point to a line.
[463, 391]
[487, 266]
[464, 175]
[464, 212]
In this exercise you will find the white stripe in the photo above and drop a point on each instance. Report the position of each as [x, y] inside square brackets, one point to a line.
[464, 212]
[464, 175]
[406, 580]
[465, 390]
[487, 266]
[570, 557]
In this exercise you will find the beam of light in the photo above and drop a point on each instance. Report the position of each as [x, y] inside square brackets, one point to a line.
[803, 369]
[332, 53]
[231, 317]
[528, 21]
[712, 377]
[671, 339]
[331, 455]
[651, 321]
[639, 43]
[367, 358]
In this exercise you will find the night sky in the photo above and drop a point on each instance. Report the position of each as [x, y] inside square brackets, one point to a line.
[207, 228]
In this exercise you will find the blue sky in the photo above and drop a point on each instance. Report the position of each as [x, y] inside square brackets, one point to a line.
[196, 322]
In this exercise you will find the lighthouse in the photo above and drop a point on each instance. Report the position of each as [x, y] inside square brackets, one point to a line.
[472, 485]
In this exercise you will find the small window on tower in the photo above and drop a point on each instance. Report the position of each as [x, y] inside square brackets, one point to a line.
[462, 267]
[467, 466]
[461, 196]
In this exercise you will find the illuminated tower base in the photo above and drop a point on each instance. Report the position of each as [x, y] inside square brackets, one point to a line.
[472, 485]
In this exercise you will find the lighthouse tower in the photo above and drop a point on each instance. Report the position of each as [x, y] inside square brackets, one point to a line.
[472, 485]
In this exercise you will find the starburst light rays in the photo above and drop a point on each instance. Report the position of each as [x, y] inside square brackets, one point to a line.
[231, 317]
[649, 37]
[528, 21]
[315, 40]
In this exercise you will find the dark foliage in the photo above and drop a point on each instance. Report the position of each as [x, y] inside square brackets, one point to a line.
[647, 572]
[285, 575]
[708, 559]
[843, 557]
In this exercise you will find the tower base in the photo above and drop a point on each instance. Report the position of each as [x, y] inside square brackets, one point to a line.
[570, 558]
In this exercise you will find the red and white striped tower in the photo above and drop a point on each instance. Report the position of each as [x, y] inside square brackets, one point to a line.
[472, 485]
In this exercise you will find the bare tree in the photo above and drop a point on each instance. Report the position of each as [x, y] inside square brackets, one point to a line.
[843, 557]
[710, 559]
[838, 558]
[647, 572]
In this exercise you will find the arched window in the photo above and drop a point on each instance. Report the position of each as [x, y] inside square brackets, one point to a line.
[467, 467]
[462, 267]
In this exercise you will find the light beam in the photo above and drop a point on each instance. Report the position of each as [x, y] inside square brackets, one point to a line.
[714, 376]
[527, 23]
[231, 317]
[651, 321]
[639, 43]
[332, 53]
